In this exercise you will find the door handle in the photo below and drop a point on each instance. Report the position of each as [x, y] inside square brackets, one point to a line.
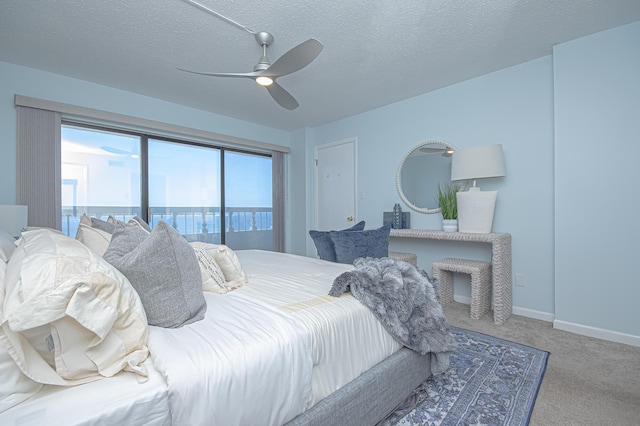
[350, 219]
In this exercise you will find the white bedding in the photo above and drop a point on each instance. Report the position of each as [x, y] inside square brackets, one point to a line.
[118, 400]
[243, 362]
[264, 353]
[347, 339]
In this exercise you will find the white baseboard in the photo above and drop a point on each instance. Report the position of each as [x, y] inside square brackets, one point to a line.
[530, 313]
[584, 330]
[598, 333]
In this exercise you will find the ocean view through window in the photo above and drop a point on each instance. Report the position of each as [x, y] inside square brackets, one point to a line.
[211, 194]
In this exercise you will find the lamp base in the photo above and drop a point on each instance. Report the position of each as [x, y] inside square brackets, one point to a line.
[475, 210]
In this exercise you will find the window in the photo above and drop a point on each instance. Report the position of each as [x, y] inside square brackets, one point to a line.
[207, 193]
[248, 200]
[100, 175]
[185, 189]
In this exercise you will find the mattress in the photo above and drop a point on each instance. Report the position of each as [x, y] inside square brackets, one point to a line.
[347, 339]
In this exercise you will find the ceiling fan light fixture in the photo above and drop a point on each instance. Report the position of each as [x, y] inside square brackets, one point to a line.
[264, 81]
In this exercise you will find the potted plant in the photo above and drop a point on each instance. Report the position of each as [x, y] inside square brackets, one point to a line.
[447, 200]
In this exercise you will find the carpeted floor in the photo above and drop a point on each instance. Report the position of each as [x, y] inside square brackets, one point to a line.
[588, 381]
[490, 381]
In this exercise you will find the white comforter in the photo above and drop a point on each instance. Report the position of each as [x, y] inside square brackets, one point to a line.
[246, 362]
[347, 338]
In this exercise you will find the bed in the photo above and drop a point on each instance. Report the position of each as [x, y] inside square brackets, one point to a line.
[276, 350]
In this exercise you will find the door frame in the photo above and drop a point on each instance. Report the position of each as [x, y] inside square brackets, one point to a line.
[354, 142]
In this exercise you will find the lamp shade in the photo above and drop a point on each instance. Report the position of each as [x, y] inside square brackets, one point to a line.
[13, 219]
[478, 162]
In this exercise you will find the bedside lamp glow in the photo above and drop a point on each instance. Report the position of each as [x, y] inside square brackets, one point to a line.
[475, 207]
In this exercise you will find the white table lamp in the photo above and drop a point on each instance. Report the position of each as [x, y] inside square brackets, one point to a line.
[475, 207]
[13, 219]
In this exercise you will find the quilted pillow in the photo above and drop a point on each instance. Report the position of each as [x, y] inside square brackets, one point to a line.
[69, 317]
[15, 387]
[324, 243]
[163, 269]
[354, 244]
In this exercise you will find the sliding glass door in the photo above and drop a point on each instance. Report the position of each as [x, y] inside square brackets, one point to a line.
[185, 189]
[248, 200]
[211, 194]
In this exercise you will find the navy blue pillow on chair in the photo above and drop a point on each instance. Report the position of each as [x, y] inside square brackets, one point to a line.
[324, 244]
[370, 243]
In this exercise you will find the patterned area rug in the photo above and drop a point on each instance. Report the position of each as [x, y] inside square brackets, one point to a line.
[490, 382]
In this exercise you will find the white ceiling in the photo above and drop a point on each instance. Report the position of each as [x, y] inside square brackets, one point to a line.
[376, 52]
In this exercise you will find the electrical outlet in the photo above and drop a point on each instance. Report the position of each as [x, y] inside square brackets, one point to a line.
[520, 280]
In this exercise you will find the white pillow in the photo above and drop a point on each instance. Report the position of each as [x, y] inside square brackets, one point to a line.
[15, 387]
[228, 261]
[7, 245]
[98, 326]
[212, 276]
[94, 238]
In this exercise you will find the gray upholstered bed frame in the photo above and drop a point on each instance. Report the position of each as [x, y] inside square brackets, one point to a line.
[373, 395]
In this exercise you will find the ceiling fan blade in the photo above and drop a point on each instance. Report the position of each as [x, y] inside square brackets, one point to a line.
[225, 74]
[295, 59]
[282, 97]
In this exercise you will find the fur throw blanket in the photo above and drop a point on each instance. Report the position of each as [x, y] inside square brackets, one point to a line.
[403, 298]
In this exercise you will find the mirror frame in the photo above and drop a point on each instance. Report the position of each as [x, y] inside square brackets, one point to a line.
[412, 206]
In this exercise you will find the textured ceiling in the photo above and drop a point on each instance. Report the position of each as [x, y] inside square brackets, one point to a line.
[376, 52]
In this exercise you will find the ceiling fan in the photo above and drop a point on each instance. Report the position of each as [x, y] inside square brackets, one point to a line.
[264, 72]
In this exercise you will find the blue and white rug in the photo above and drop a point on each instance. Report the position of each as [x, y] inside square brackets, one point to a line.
[490, 382]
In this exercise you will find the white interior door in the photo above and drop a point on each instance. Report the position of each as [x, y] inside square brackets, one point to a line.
[336, 189]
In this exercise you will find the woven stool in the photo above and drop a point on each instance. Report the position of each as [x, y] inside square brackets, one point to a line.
[407, 257]
[480, 272]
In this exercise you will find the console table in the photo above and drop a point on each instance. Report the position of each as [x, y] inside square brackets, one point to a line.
[500, 261]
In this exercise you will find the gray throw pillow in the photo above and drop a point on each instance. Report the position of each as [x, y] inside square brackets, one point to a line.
[138, 221]
[370, 243]
[164, 270]
[102, 225]
[324, 244]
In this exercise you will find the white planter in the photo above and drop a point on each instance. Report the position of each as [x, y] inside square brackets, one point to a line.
[450, 225]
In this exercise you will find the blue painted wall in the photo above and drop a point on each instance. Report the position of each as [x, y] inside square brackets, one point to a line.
[569, 124]
[513, 107]
[597, 154]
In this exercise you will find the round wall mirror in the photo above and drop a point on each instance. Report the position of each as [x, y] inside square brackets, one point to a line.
[419, 173]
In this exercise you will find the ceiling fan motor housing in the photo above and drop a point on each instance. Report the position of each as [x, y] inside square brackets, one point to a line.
[264, 38]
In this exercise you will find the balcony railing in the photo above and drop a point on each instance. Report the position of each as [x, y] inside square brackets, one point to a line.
[244, 227]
